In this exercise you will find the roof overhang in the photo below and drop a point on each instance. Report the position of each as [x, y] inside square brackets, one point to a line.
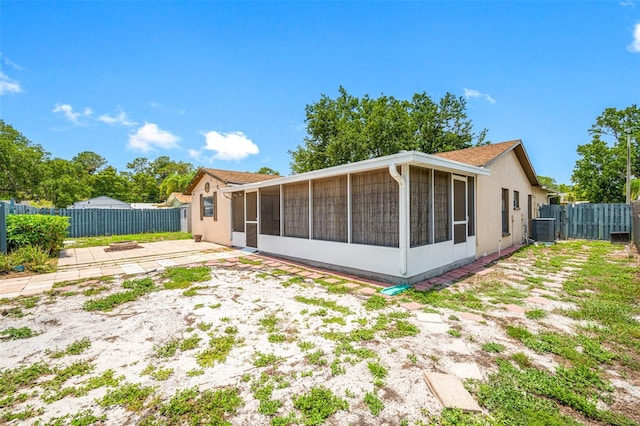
[412, 158]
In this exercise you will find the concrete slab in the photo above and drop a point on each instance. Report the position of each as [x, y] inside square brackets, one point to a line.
[538, 300]
[368, 291]
[132, 268]
[470, 317]
[543, 292]
[351, 285]
[331, 280]
[450, 392]
[429, 317]
[515, 308]
[412, 306]
[466, 370]
[166, 262]
[485, 271]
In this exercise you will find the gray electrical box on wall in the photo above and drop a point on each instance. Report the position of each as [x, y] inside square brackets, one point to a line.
[543, 229]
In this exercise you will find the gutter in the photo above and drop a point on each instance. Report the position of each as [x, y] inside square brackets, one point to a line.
[403, 225]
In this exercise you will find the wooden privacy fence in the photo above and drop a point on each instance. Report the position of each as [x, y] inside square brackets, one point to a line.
[94, 222]
[589, 221]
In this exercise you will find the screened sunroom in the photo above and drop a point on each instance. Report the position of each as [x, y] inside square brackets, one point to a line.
[400, 218]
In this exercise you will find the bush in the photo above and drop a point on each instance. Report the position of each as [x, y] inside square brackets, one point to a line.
[46, 232]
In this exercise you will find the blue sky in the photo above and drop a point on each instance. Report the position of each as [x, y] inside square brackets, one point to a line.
[225, 84]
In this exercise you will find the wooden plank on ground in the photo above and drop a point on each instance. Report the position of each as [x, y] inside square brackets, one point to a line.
[450, 392]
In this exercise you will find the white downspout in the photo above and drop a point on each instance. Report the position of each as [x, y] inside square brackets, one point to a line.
[403, 228]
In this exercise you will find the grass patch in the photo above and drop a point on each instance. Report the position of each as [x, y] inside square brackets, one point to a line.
[447, 298]
[375, 302]
[328, 304]
[141, 238]
[374, 403]
[536, 314]
[75, 348]
[493, 347]
[136, 289]
[219, 348]
[131, 396]
[18, 333]
[195, 407]
[181, 277]
[318, 405]
[265, 360]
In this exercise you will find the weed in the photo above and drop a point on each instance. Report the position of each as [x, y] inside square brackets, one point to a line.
[349, 393]
[306, 346]
[316, 358]
[329, 304]
[493, 347]
[375, 302]
[204, 326]
[191, 406]
[94, 290]
[454, 332]
[215, 306]
[454, 317]
[198, 306]
[378, 371]
[219, 348]
[75, 348]
[337, 368]
[137, 288]
[81, 418]
[18, 333]
[162, 373]
[277, 338]
[167, 350]
[195, 372]
[181, 277]
[131, 396]
[190, 343]
[536, 314]
[231, 330]
[318, 405]
[521, 359]
[412, 358]
[334, 320]
[374, 403]
[269, 323]
[264, 360]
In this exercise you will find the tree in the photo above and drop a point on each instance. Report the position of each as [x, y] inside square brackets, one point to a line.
[90, 161]
[175, 182]
[349, 129]
[65, 182]
[600, 172]
[110, 183]
[268, 171]
[20, 164]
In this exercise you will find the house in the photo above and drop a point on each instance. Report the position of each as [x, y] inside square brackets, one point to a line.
[210, 208]
[508, 198]
[102, 202]
[176, 199]
[401, 218]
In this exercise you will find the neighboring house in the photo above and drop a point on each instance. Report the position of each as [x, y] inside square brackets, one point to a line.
[176, 199]
[508, 198]
[102, 202]
[210, 209]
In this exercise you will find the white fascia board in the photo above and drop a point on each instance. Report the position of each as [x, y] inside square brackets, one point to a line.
[412, 158]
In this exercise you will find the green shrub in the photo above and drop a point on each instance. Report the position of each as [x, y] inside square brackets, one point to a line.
[34, 258]
[47, 232]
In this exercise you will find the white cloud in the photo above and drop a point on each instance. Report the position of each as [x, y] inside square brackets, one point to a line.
[161, 107]
[195, 154]
[120, 119]
[634, 47]
[8, 85]
[230, 146]
[10, 63]
[70, 115]
[150, 136]
[626, 3]
[473, 93]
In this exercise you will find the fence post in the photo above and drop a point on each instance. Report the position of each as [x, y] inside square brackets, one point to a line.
[3, 229]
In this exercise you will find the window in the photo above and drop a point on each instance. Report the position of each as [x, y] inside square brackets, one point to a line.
[420, 206]
[375, 209]
[471, 206]
[296, 210]
[270, 210]
[208, 206]
[505, 211]
[442, 206]
[237, 211]
[330, 209]
[516, 200]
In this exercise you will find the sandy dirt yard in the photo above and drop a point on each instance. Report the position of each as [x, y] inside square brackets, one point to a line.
[266, 346]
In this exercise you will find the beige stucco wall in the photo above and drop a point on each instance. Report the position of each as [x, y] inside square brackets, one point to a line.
[218, 231]
[506, 172]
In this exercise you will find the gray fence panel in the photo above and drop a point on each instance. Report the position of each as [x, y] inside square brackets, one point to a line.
[95, 222]
[589, 221]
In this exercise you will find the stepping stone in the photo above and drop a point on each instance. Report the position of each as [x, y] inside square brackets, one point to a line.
[331, 281]
[538, 300]
[66, 288]
[412, 306]
[256, 267]
[485, 271]
[166, 262]
[368, 291]
[515, 277]
[244, 265]
[469, 316]
[466, 370]
[305, 273]
[450, 392]
[315, 276]
[554, 285]
[132, 268]
[515, 308]
[429, 317]
[545, 292]
[351, 285]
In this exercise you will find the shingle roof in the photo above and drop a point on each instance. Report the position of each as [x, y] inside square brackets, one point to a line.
[479, 155]
[482, 156]
[228, 177]
[184, 199]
